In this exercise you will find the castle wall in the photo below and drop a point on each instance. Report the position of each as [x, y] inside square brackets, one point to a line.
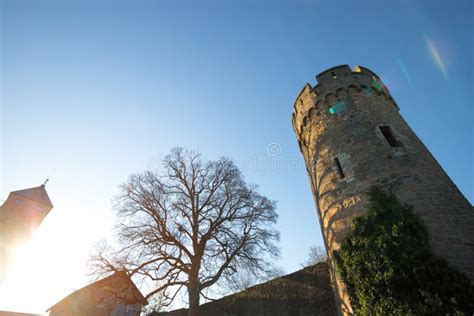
[305, 292]
[340, 118]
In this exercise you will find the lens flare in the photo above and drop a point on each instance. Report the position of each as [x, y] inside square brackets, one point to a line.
[436, 57]
[367, 91]
[337, 107]
[405, 72]
[377, 85]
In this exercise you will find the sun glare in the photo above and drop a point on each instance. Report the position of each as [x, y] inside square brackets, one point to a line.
[51, 265]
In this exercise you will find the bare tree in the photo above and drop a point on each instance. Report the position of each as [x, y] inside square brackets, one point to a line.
[316, 254]
[193, 224]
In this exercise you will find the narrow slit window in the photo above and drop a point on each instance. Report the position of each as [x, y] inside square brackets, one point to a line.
[389, 137]
[339, 168]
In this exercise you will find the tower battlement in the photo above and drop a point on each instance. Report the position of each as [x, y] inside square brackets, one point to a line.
[341, 79]
[337, 84]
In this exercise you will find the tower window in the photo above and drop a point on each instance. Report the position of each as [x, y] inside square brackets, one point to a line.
[339, 168]
[333, 75]
[389, 137]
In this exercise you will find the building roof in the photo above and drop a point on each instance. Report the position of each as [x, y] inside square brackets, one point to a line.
[37, 194]
[108, 284]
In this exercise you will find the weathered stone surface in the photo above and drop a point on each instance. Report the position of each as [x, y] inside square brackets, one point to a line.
[304, 293]
[351, 133]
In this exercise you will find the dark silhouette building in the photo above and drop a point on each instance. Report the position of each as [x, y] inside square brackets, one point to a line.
[20, 215]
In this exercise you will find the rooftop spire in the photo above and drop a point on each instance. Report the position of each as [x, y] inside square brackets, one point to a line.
[37, 194]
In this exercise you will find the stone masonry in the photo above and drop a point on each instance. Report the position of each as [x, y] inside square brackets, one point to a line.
[306, 292]
[352, 137]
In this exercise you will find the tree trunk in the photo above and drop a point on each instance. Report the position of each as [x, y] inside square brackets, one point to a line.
[193, 293]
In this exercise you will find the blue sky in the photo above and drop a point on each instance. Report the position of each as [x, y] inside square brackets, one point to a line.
[94, 91]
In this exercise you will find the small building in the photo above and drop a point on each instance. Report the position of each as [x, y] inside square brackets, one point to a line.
[23, 212]
[20, 215]
[115, 295]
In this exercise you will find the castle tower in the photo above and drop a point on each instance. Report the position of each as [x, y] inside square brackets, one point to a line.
[20, 216]
[352, 137]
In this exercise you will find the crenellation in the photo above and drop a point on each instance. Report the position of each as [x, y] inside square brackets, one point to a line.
[307, 103]
[329, 75]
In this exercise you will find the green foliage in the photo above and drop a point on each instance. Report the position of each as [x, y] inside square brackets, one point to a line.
[389, 269]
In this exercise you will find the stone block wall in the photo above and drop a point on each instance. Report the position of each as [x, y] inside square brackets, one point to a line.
[303, 293]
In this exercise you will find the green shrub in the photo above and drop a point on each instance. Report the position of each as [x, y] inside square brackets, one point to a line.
[389, 269]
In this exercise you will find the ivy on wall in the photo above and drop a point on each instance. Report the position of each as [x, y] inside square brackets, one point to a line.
[389, 268]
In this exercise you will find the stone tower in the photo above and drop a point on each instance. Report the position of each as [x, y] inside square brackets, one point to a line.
[352, 136]
[20, 216]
